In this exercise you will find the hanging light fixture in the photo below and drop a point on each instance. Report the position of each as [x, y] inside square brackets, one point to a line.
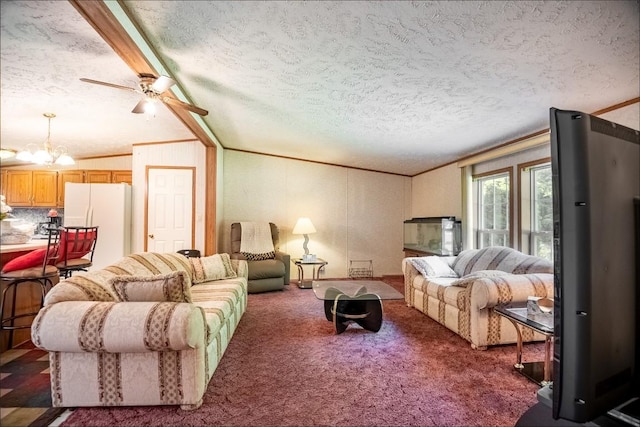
[7, 153]
[46, 155]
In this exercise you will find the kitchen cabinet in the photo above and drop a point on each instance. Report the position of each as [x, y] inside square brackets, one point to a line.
[65, 176]
[3, 182]
[121, 176]
[45, 188]
[26, 188]
[98, 176]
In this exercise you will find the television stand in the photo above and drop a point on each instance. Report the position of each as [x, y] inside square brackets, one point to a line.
[540, 414]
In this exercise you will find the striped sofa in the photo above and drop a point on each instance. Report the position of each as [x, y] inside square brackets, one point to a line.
[460, 292]
[108, 351]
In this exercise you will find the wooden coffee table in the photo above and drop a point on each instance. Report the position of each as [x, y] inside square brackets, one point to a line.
[354, 301]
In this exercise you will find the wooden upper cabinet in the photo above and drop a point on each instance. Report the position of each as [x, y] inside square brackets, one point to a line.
[121, 176]
[64, 177]
[27, 188]
[19, 186]
[3, 182]
[97, 176]
[45, 188]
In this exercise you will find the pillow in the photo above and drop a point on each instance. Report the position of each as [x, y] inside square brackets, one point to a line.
[172, 287]
[34, 258]
[465, 281]
[433, 266]
[214, 267]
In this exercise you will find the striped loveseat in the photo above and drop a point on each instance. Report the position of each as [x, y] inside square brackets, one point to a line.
[460, 292]
[149, 329]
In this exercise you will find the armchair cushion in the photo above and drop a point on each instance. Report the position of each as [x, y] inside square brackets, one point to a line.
[266, 269]
[172, 287]
[214, 267]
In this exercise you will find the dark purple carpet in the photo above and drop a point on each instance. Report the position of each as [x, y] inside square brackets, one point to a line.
[285, 366]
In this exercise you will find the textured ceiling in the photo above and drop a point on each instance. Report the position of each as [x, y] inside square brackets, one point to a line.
[399, 87]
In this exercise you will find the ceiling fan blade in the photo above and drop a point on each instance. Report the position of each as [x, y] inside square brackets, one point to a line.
[162, 83]
[109, 84]
[178, 103]
[139, 108]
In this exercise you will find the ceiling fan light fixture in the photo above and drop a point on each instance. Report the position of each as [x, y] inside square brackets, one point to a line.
[150, 107]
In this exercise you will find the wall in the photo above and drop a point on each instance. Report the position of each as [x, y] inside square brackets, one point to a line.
[357, 214]
[437, 193]
[189, 154]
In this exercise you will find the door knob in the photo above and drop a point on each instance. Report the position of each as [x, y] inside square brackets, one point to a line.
[151, 236]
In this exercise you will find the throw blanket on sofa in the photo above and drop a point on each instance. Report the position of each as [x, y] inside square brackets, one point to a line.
[256, 239]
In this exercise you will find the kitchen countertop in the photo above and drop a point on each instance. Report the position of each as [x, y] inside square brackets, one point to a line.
[24, 247]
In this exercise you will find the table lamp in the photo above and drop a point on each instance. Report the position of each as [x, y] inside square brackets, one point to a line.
[305, 226]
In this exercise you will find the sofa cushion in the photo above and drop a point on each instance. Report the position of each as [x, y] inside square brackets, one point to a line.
[80, 287]
[499, 258]
[433, 266]
[218, 300]
[150, 264]
[172, 287]
[214, 267]
[465, 281]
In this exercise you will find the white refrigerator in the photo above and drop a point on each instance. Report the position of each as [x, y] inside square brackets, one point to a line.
[107, 206]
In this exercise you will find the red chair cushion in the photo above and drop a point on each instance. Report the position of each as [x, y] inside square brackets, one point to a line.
[34, 258]
[82, 246]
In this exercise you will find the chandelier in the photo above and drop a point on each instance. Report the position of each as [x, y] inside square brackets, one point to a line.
[46, 155]
[7, 153]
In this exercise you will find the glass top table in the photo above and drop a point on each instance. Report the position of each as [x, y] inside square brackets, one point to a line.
[539, 372]
[354, 301]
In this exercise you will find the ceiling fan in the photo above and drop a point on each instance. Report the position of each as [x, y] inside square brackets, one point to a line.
[152, 88]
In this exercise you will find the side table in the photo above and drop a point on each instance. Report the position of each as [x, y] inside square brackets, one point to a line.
[538, 372]
[318, 265]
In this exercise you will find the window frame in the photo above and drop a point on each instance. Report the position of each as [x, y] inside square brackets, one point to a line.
[526, 207]
[477, 204]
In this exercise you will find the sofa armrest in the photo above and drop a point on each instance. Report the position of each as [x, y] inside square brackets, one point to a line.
[241, 267]
[410, 272]
[286, 259]
[119, 327]
[488, 292]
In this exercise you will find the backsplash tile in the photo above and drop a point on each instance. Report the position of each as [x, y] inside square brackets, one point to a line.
[34, 215]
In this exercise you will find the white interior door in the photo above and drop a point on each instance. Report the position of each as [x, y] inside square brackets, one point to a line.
[169, 209]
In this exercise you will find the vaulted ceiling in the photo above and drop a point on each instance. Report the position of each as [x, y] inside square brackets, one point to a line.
[398, 87]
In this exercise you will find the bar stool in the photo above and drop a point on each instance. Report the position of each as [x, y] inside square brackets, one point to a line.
[36, 271]
[77, 245]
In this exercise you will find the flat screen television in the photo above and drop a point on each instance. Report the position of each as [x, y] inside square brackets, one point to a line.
[596, 192]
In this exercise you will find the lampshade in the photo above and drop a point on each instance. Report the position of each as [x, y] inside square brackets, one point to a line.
[304, 226]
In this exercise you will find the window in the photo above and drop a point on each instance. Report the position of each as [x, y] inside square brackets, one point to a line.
[536, 208]
[493, 211]
[541, 238]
